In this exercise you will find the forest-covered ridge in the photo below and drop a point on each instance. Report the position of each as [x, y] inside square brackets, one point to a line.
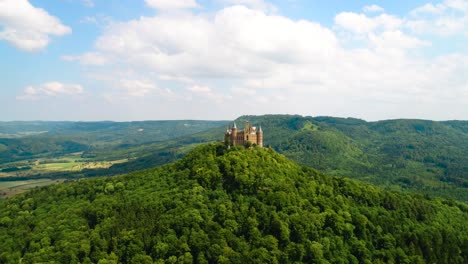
[429, 157]
[230, 206]
[425, 156]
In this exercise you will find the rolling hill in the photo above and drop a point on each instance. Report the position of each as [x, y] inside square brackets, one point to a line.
[229, 206]
[414, 155]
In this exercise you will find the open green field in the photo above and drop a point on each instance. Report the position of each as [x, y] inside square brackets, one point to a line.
[12, 188]
[3, 147]
[69, 163]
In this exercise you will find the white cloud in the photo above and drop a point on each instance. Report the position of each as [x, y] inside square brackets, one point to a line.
[205, 93]
[383, 32]
[50, 89]
[171, 4]
[447, 18]
[138, 88]
[89, 58]
[373, 9]
[396, 39]
[199, 89]
[254, 4]
[361, 24]
[428, 8]
[279, 65]
[460, 5]
[441, 8]
[27, 27]
[176, 78]
[243, 92]
[237, 42]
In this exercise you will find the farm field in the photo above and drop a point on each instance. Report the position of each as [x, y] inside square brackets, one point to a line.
[12, 188]
[69, 163]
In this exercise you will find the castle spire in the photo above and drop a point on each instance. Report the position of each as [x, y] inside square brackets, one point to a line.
[260, 129]
[234, 125]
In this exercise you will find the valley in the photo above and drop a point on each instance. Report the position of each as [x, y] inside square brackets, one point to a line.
[32, 152]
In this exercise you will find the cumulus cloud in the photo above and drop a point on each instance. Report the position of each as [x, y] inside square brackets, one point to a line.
[171, 4]
[277, 64]
[138, 88]
[89, 58]
[396, 39]
[27, 27]
[373, 9]
[361, 23]
[254, 4]
[205, 93]
[383, 32]
[237, 42]
[440, 8]
[428, 8]
[447, 18]
[50, 89]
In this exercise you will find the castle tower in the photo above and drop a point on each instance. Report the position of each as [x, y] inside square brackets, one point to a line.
[260, 137]
[247, 127]
[234, 134]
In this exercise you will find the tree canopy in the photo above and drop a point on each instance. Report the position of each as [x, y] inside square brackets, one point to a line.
[237, 205]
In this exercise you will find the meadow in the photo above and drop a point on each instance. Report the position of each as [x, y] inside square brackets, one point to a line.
[12, 188]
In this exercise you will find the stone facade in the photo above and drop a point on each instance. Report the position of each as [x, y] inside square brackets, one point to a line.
[236, 137]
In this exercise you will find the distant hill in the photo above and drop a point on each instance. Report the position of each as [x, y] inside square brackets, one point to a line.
[431, 157]
[416, 155]
[229, 206]
[37, 139]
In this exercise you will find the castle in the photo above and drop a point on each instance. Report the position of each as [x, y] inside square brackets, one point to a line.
[235, 137]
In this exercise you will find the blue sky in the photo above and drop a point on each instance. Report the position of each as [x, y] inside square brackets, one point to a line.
[219, 59]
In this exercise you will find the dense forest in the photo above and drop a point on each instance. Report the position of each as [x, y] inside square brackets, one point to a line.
[237, 205]
[421, 156]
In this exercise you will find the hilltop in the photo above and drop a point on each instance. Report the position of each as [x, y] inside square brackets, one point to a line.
[420, 156]
[230, 206]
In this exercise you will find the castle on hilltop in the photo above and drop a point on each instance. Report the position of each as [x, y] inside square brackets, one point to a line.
[235, 137]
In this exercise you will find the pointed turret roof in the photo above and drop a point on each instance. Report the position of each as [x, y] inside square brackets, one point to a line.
[260, 129]
[234, 125]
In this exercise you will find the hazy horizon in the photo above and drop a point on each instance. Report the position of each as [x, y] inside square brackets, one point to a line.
[228, 120]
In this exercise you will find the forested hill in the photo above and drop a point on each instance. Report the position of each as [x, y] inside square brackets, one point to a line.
[419, 155]
[229, 206]
[428, 157]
